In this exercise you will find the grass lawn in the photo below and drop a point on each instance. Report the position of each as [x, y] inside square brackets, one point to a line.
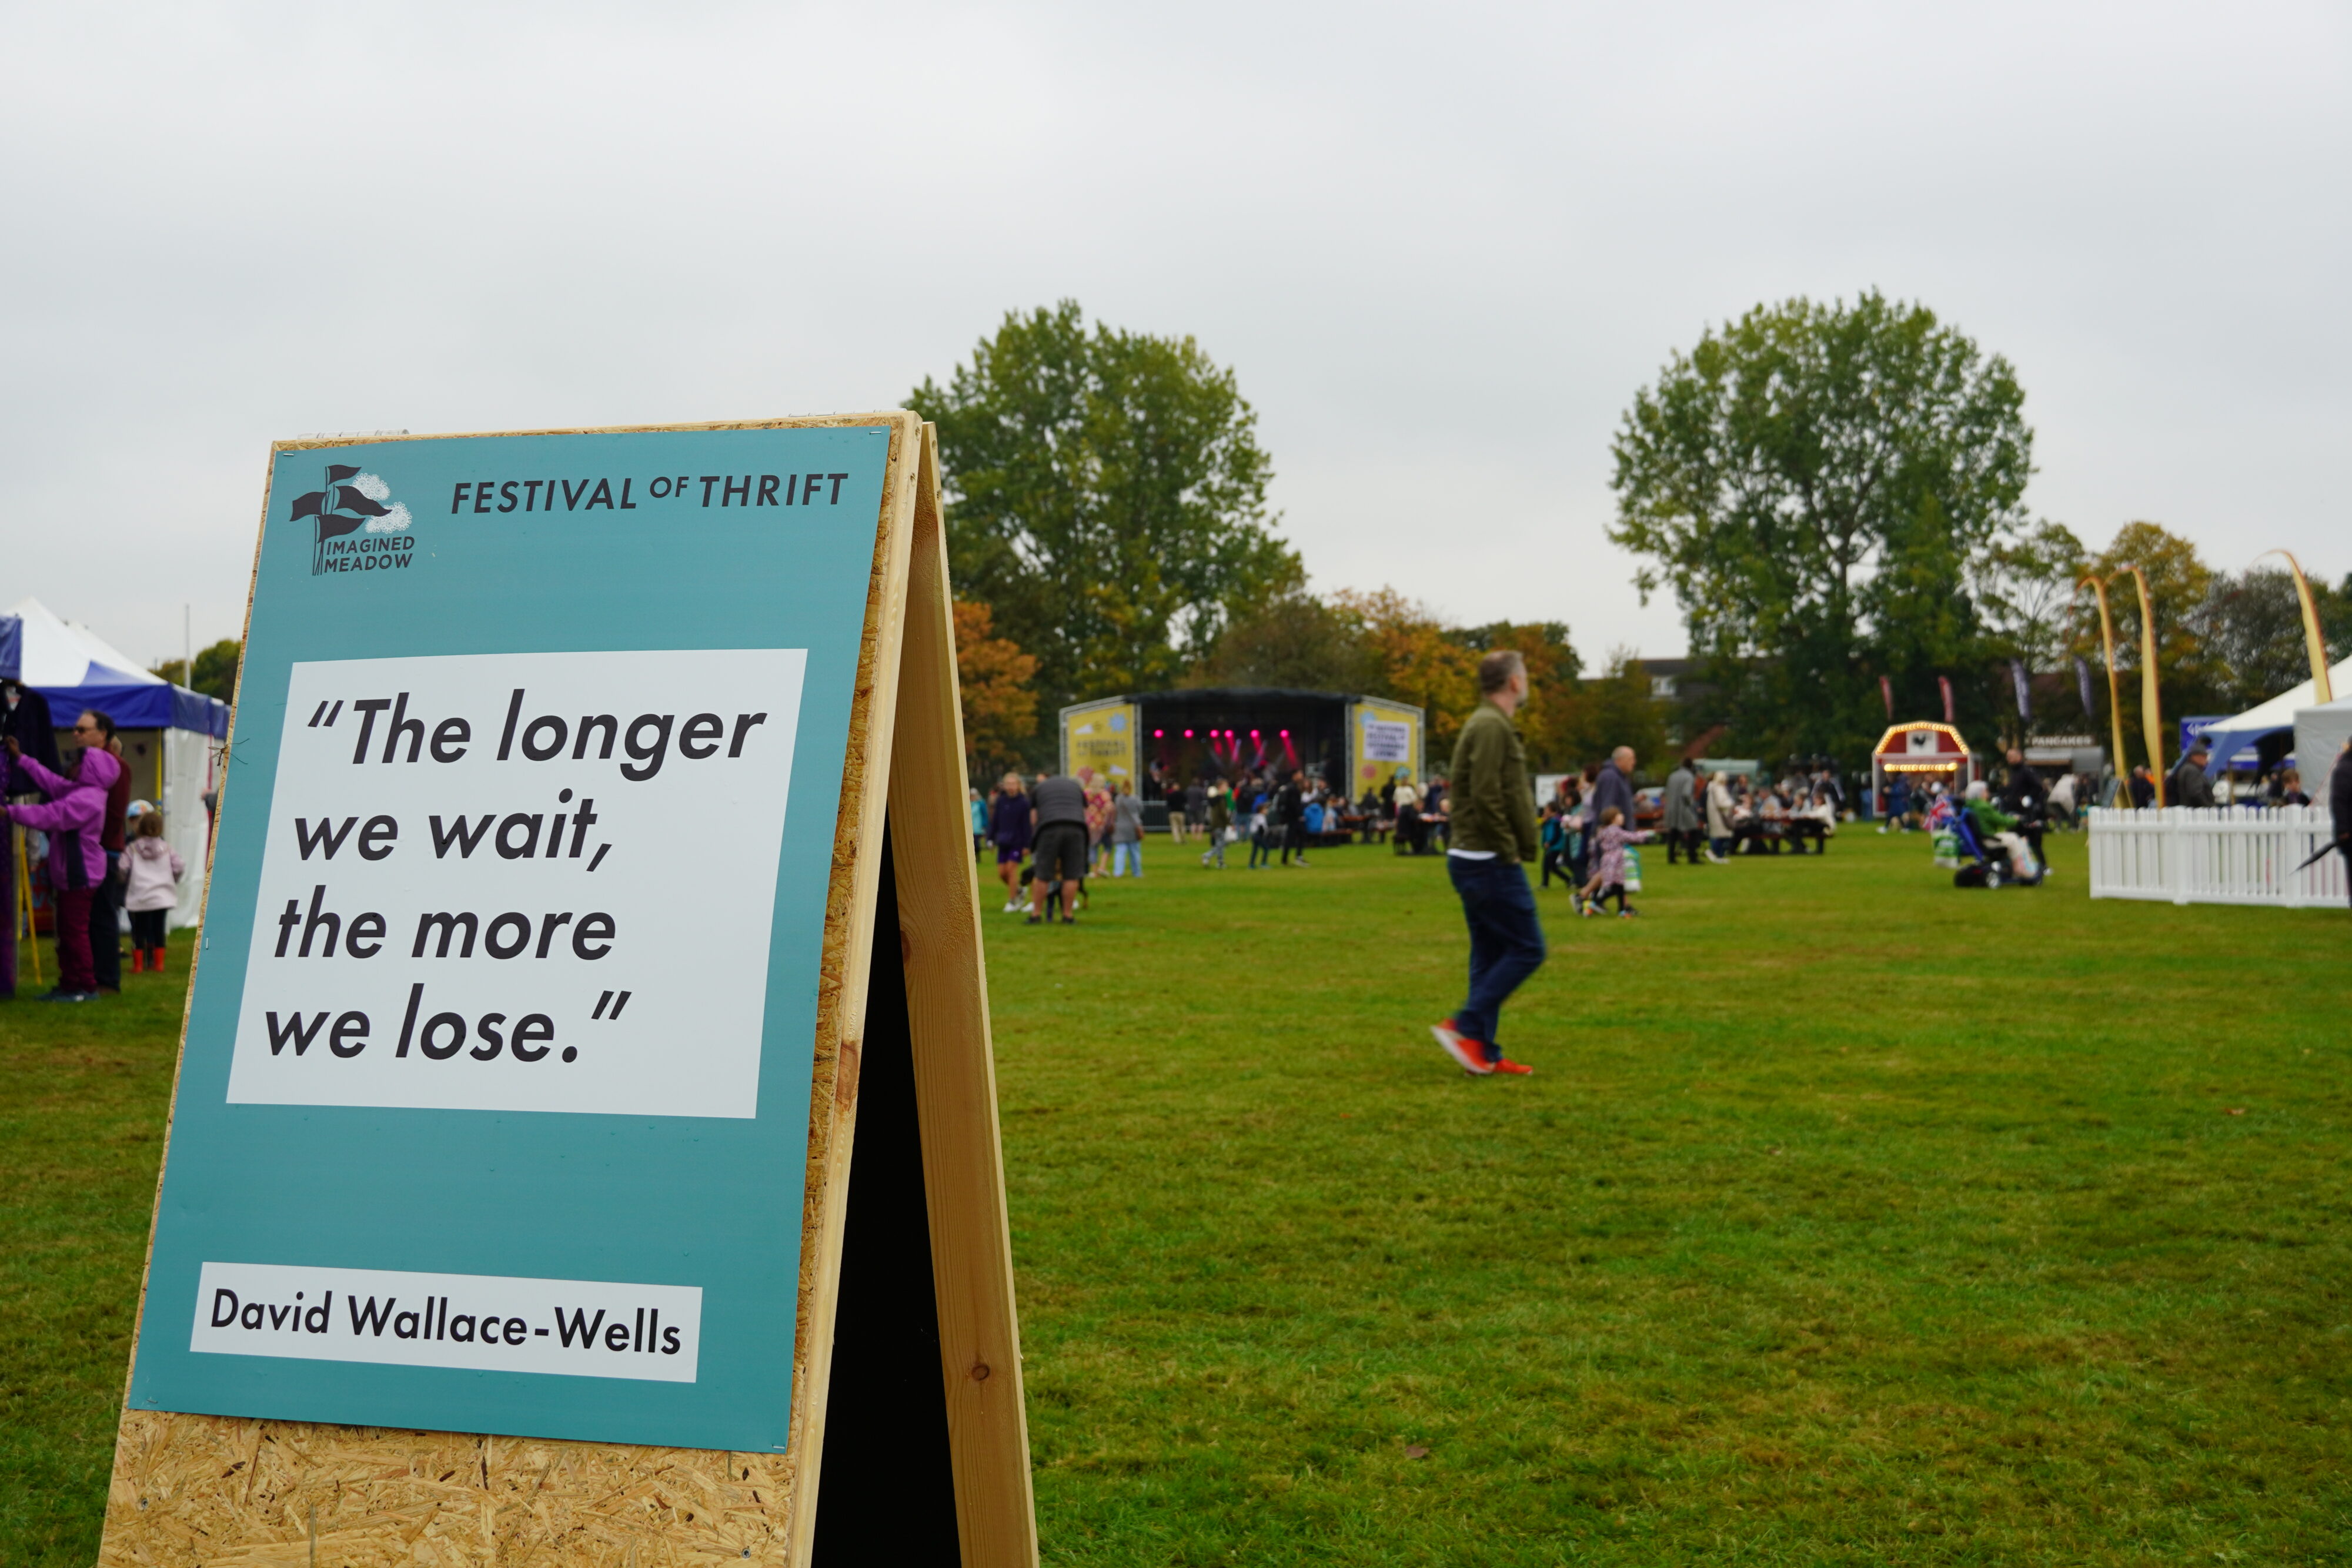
[1849, 1219]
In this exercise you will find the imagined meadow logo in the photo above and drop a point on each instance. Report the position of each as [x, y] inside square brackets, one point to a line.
[355, 503]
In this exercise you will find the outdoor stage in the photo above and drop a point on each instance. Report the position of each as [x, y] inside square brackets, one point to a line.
[1356, 741]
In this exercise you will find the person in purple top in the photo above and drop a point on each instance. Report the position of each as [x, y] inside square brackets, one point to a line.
[25, 715]
[74, 817]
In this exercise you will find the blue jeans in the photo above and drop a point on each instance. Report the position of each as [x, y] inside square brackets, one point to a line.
[1125, 855]
[1506, 942]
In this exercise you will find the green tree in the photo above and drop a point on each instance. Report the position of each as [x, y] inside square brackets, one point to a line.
[1295, 640]
[2191, 675]
[1552, 722]
[2252, 627]
[1384, 644]
[216, 670]
[2024, 586]
[1107, 499]
[1618, 709]
[1816, 483]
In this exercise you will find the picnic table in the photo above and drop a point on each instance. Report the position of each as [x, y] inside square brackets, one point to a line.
[1756, 833]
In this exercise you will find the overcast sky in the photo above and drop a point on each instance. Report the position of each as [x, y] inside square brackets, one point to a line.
[1440, 245]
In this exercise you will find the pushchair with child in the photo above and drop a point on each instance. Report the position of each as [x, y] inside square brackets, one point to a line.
[1990, 860]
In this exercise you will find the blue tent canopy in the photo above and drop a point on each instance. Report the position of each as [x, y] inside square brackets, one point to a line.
[2231, 736]
[61, 672]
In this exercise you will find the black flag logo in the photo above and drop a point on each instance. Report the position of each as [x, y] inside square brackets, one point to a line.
[340, 508]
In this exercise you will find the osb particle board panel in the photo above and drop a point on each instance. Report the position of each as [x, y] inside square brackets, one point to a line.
[203, 1489]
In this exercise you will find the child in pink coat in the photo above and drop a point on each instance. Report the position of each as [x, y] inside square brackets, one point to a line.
[152, 869]
[1609, 871]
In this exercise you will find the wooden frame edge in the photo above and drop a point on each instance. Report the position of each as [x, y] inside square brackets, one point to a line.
[955, 1068]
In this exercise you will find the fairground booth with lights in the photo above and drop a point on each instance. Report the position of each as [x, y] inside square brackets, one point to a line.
[1922, 753]
[1354, 742]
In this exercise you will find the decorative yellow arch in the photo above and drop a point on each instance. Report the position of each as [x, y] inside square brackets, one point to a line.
[2114, 697]
[2151, 712]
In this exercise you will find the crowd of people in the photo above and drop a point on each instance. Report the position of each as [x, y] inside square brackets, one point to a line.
[97, 854]
[1587, 832]
[2059, 803]
[1279, 815]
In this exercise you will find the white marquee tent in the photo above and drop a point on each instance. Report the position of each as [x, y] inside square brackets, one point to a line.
[2232, 735]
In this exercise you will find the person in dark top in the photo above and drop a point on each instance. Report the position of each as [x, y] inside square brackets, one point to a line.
[25, 719]
[1499, 833]
[2143, 789]
[1614, 786]
[1575, 795]
[1290, 815]
[1058, 818]
[2026, 797]
[1008, 829]
[96, 728]
[2339, 807]
[2189, 785]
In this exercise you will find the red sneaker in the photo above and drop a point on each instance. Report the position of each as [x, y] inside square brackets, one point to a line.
[1507, 1065]
[1467, 1054]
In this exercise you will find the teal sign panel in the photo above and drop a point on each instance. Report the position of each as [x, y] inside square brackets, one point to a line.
[493, 1111]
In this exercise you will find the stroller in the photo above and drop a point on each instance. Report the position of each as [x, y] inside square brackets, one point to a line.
[1985, 864]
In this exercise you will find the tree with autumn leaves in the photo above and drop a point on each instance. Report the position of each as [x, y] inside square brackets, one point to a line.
[1382, 644]
[1000, 705]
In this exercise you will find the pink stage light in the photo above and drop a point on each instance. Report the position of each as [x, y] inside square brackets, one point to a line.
[1285, 734]
[1158, 733]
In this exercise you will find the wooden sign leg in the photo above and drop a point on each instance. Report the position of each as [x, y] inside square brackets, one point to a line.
[955, 1066]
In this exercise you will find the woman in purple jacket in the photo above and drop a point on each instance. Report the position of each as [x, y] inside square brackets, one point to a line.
[74, 817]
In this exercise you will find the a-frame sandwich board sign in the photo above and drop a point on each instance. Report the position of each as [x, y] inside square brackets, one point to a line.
[584, 1141]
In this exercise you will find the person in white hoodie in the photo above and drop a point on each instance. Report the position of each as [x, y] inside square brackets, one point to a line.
[152, 869]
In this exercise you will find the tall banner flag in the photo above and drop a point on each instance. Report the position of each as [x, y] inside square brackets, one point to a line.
[2314, 639]
[2024, 692]
[2151, 706]
[1886, 695]
[2098, 588]
[2083, 688]
[1945, 684]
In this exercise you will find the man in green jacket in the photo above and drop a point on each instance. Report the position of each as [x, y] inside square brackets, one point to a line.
[1494, 816]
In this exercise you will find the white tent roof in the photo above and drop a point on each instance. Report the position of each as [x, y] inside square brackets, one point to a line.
[2279, 712]
[58, 652]
[2229, 736]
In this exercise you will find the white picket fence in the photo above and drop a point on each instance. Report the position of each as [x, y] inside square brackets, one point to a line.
[2186, 855]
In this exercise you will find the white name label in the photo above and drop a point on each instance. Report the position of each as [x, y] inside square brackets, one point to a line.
[521, 882]
[567, 1328]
